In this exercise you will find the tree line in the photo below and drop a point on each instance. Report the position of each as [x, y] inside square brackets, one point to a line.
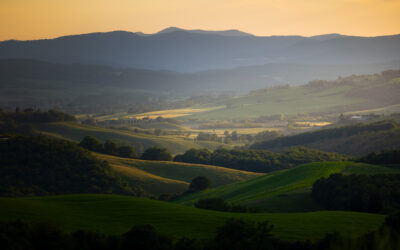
[234, 234]
[262, 161]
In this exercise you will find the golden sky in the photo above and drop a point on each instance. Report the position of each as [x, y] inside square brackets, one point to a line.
[35, 19]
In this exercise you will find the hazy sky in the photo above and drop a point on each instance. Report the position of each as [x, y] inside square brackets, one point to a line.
[33, 19]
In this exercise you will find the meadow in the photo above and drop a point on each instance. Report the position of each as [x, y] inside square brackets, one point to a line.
[114, 214]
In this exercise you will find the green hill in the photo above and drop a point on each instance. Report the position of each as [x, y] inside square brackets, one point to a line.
[76, 132]
[116, 214]
[286, 190]
[163, 177]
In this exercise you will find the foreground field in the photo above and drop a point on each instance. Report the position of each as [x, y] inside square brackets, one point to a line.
[76, 132]
[161, 177]
[116, 214]
[286, 190]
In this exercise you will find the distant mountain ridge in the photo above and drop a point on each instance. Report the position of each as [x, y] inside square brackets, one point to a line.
[181, 50]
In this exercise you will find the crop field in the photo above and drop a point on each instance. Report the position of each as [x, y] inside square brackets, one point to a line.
[114, 214]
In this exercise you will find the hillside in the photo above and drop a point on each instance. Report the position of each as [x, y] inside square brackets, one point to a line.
[96, 88]
[162, 177]
[286, 190]
[39, 165]
[358, 139]
[345, 94]
[116, 214]
[76, 132]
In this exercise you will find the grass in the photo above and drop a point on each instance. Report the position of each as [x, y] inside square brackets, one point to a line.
[287, 101]
[76, 132]
[164, 177]
[114, 214]
[286, 190]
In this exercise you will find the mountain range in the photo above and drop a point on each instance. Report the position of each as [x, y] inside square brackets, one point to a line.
[179, 50]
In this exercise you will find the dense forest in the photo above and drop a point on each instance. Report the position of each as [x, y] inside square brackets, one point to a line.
[18, 122]
[39, 165]
[384, 157]
[257, 160]
[375, 194]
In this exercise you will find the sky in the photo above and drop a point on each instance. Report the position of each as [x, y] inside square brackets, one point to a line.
[37, 19]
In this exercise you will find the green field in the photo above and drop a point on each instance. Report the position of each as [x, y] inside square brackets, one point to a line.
[164, 177]
[76, 132]
[114, 214]
[285, 190]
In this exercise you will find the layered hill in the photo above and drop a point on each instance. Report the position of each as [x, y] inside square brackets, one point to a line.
[357, 139]
[163, 177]
[285, 190]
[355, 93]
[76, 132]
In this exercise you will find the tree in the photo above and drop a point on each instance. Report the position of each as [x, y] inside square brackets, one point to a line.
[91, 143]
[156, 154]
[241, 234]
[110, 147]
[139, 148]
[199, 183]
[157, 131]
[127, 151]
[235, 136]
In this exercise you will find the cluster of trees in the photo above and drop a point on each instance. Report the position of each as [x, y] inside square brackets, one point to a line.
[257, 160]
[38, 165]
[375, 194]
[384, 157]
[220, 204]
[18, 122]
[109, 147]
[155, 153]
[208, 137]
[234, 136]
[235, 234]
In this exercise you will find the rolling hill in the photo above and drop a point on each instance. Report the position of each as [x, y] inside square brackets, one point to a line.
[113, 214]
[158, 177]
[353, 93]
[285, 190]
[356, 139]
[76, 132]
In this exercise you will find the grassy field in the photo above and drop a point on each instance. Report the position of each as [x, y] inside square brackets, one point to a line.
[76, 132]
[163, 177]
[286, 190]
[116, 214]
[287, 101]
